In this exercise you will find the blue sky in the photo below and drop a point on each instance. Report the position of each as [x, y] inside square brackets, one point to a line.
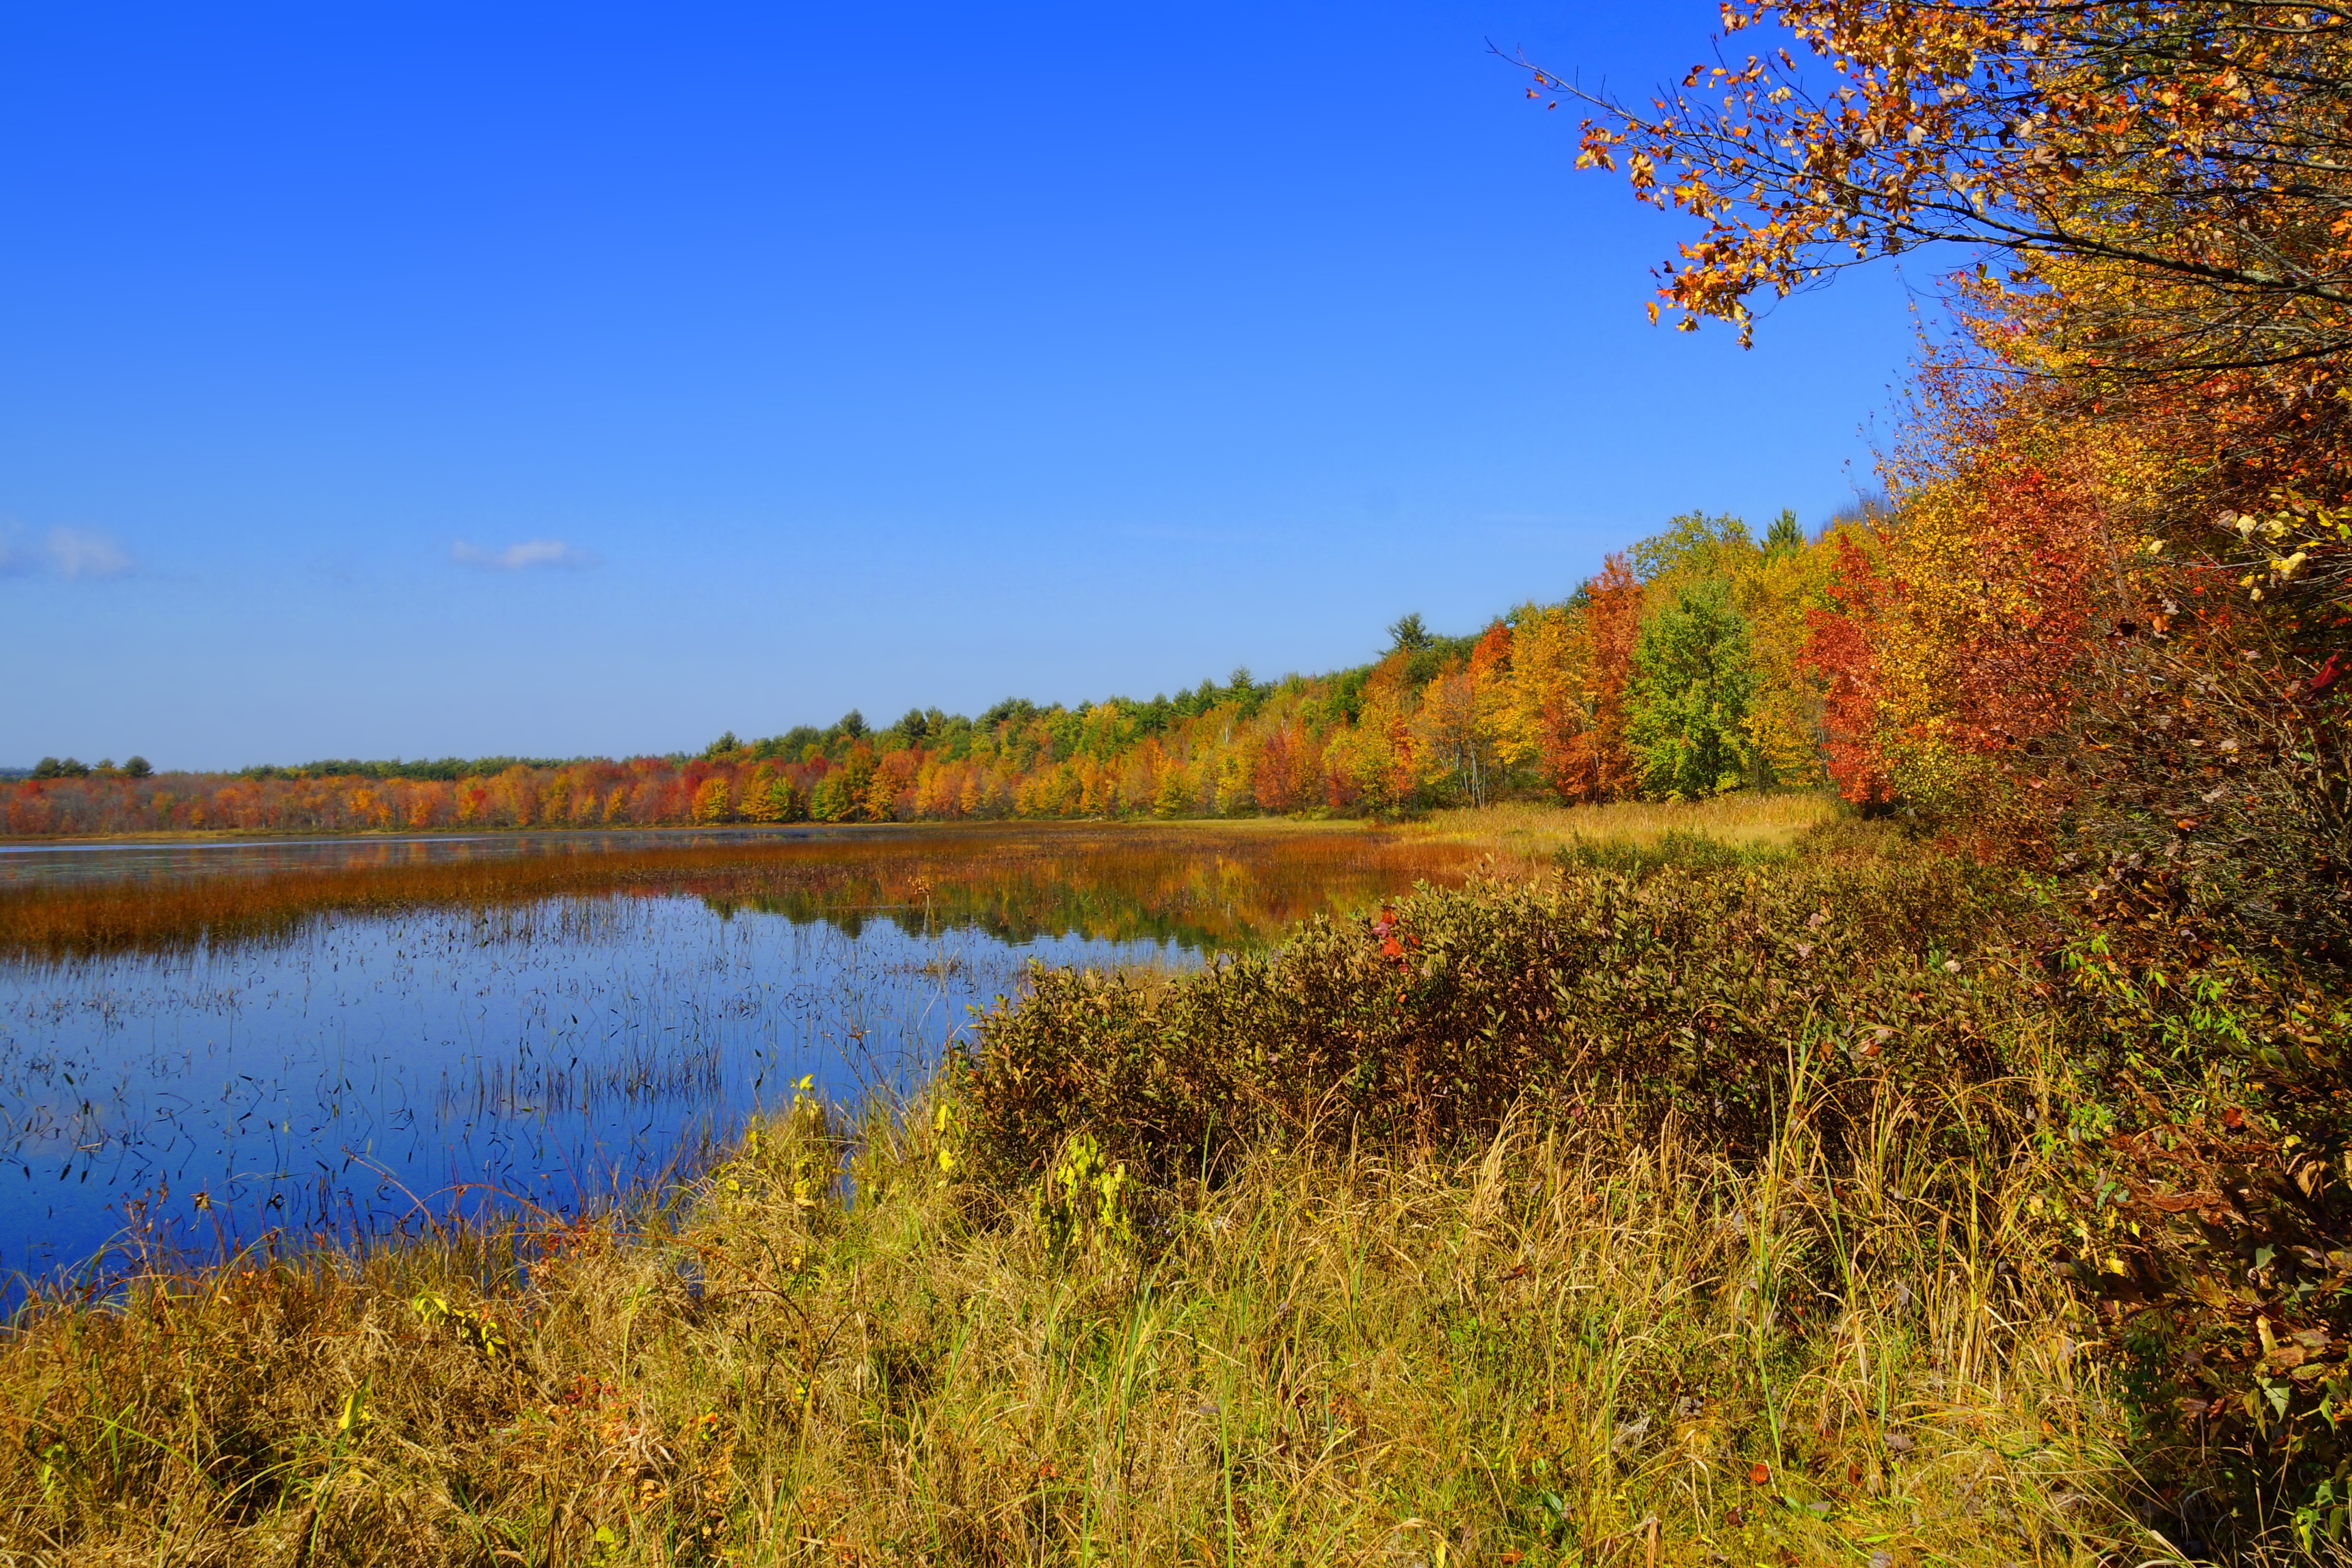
[404, 380]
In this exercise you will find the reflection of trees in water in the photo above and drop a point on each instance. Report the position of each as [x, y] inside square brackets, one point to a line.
[1198, 887]
[1017, 919]
[321, 1047]
[1195, 901]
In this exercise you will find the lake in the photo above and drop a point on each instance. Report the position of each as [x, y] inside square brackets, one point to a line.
[213, 1044]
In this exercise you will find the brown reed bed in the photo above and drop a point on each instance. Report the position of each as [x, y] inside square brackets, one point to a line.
[1218, 884]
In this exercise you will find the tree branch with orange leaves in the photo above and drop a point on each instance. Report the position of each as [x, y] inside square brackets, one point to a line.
[2190, 160]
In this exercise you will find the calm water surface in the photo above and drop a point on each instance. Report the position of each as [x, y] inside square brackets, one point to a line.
[34, 861]
[377, 1070]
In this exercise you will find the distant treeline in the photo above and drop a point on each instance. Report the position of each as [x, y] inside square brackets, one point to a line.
[1684, 668]
[447, 770]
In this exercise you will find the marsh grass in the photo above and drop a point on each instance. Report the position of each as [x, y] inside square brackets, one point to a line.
[1050, 1311]
[1537, 832]
[1575, 1342]
[1423, 1026]
[1208, 884]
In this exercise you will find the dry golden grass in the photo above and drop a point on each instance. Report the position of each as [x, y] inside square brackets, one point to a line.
[1570, 1347]
[1532, 830]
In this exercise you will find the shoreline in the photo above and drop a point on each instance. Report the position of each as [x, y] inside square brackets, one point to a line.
[746, 830]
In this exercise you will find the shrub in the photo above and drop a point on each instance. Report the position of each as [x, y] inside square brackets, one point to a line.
[1425, 1023]
[1675, 847]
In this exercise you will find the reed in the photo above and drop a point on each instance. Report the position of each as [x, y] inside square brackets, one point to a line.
[1218, 884]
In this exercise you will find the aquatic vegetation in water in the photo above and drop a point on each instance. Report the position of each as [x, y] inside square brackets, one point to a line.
[379, 1073]
[1202, 886]
[351, 1047]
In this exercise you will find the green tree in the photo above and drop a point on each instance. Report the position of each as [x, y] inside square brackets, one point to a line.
[843, 795]
[1409, 635]
[1693, 680]
[1786, 537]
[1693, 545]
[833, 801]
[912, 730]
[138, 767]
[792, 745]
[787, 804]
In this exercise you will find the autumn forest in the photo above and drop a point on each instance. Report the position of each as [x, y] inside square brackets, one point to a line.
[1694, 664]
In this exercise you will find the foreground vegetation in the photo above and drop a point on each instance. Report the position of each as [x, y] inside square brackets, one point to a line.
[1571, 1339]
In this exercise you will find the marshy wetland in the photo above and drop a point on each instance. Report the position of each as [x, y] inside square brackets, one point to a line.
[1527, 1186]
[207, 1044]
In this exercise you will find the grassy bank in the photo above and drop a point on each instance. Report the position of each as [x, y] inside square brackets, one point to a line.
[1573, 1343]
[1736, 1213]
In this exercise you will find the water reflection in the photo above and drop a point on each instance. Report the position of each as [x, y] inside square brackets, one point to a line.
[377, 1070]
[31, 861]
[1197, 884]
[203, 1043]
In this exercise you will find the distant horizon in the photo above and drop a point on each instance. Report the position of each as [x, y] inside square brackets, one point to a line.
[11, 772]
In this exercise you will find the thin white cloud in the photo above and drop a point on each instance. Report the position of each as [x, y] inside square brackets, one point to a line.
[521, 557]
[68, 552]
[77, 552]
